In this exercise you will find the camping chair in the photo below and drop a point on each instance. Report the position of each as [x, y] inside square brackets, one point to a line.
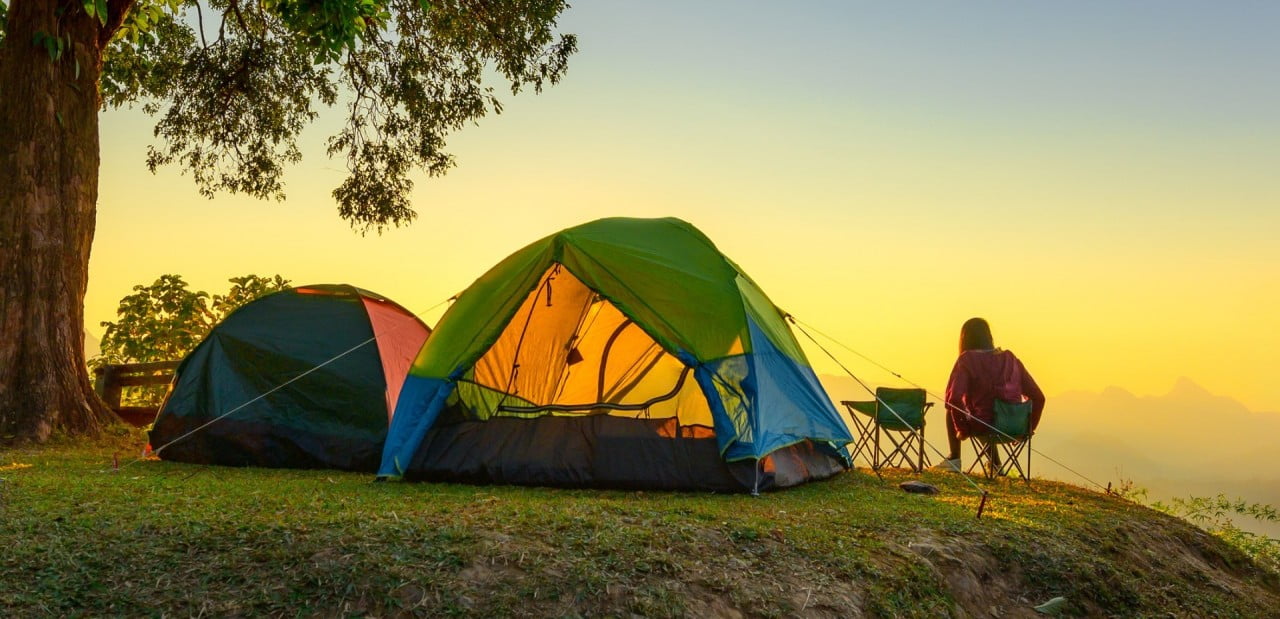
[1010, 437]
[897, 414]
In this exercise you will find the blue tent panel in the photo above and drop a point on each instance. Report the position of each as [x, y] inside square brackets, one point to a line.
[421, 401]
[780, 401]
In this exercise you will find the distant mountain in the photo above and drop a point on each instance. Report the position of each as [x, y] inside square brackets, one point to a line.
[92, 346]
[1187, 441]
[1187, 433]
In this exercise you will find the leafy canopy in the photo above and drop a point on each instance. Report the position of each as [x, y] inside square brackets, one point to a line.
[166, 320]
[234, 82]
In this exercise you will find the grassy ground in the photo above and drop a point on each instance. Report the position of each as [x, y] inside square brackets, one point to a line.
[78, 537]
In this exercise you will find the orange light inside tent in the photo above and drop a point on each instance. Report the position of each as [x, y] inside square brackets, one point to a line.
[669, 429]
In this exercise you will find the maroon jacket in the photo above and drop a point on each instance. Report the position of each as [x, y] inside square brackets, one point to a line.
[981, 376]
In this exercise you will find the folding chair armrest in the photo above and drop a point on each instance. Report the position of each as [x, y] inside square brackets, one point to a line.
[867, 408]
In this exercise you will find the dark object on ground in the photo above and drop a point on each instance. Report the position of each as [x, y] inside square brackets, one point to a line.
[918, 487]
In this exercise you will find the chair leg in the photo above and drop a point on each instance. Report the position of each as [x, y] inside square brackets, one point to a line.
[981, 458]
[1028, 448]
[920, 448]
[861, 446]
[856, 451]
[1013, 454]
[1010, 461]
[900, 455]
[873, 446]
[876, 462]
[919, 467]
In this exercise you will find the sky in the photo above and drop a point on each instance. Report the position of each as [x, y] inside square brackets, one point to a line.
[1096, 179]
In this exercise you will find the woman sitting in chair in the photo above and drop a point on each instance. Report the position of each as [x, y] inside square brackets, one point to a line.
[982, 374]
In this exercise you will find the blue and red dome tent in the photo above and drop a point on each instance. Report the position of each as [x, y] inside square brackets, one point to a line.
[302, 378]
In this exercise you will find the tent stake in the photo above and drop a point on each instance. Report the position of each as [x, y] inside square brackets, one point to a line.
[982, 504]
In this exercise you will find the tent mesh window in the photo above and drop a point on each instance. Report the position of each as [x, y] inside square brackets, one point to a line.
[570, 352]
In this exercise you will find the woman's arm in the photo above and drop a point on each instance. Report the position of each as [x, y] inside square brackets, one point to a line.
[1033, 393]
[957, 387]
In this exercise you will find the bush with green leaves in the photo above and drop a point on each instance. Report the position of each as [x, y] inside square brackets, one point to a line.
[166, 320]
[1217, 516]
[1214, 514]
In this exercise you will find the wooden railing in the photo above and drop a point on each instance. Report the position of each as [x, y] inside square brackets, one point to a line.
[110, 380]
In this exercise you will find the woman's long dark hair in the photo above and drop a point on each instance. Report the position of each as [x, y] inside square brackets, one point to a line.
[975, 335]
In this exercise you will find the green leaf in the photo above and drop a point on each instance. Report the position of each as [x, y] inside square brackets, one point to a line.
[52, 45]
[1052, 607]
[102, 11]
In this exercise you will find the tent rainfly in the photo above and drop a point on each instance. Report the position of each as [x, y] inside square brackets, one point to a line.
[623, 353]
[346, 351]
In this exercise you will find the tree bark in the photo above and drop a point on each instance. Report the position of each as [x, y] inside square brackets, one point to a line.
[48, 199]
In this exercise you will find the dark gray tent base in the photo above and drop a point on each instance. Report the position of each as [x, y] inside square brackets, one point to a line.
[603, 451]
[231, 442]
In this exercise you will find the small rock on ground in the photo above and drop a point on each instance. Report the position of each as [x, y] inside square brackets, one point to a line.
[918, 487]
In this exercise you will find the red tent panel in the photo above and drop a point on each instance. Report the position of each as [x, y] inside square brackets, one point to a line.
[399, 336]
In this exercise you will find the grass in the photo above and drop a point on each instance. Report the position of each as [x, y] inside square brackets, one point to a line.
[81, 538]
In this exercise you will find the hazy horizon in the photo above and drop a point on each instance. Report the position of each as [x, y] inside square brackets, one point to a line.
[1095, 179]
[1114, 436]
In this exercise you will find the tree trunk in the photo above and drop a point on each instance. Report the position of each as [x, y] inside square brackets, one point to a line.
[48, 196]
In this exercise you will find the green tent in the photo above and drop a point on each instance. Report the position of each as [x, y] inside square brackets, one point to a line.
[619, 353]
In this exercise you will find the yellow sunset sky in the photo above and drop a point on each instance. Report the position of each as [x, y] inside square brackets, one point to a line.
[1097, 180]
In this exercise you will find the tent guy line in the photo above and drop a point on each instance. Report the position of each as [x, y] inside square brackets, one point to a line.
[668, 303]
[871, 391]
[672, 291]
[334, 418]
[286, 383]
[801, 324]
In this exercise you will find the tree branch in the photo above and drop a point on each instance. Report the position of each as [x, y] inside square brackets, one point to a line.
[117, 10]
[244, 25]
[200, 21]
[235, 8]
